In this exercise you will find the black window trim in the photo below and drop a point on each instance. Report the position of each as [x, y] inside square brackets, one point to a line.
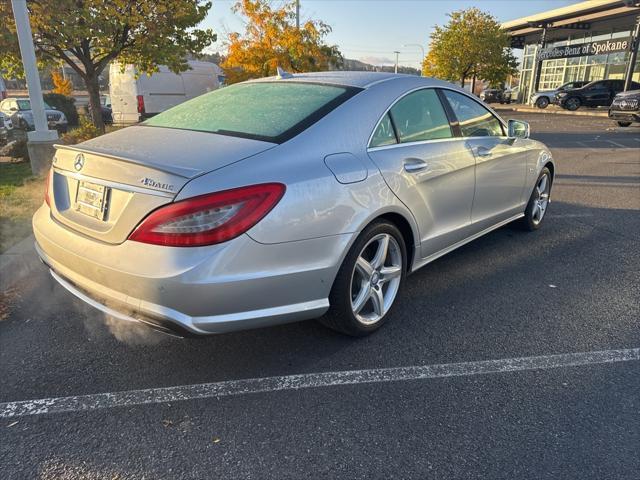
[488, 109]
[393, 124]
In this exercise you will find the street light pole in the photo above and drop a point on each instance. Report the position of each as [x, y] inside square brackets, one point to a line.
[41, 140]
[635, 45]
[298, 14]
[397, 53]
[421, 49]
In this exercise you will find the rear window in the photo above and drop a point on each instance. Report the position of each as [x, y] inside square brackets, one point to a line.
[269, 111]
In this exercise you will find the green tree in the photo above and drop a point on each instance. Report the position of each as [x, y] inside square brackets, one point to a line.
[88, 34]
[470, 45]
[271, 40]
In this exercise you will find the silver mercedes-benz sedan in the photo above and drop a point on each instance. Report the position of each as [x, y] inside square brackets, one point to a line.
[283, 199]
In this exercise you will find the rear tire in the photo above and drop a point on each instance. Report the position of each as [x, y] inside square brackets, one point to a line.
[368, 281]
[538, 202]
[572, 104]
[624, 124]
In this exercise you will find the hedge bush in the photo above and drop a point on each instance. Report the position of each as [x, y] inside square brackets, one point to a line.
[66, 105]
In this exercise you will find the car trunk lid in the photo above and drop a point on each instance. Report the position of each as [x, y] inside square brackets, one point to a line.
[104, 187]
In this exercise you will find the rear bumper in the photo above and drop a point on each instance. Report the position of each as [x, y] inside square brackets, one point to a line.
[237, 285]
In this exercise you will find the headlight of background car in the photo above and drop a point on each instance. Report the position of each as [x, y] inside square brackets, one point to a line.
[561, 94]
[62, 119]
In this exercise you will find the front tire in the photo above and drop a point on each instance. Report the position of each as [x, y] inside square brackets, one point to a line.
[624, 124]
[542, 102]
[538, 202]
[368, 281]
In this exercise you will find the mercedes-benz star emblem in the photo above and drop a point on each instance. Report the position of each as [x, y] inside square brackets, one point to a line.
[78, 162]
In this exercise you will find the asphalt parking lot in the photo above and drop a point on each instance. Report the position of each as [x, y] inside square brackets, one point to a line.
[557, 310]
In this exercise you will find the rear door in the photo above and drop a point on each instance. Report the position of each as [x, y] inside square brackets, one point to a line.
[123, 92]
[427, 167]
[501, 162]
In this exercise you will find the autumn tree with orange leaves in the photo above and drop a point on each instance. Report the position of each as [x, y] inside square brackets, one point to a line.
[271, 39]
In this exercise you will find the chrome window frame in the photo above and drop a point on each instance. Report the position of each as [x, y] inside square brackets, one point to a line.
[421, 142]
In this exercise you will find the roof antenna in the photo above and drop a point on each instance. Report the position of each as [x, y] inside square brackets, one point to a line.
[282, 74]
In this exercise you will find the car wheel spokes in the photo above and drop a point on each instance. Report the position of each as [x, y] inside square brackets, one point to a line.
[541, 201]
[376, 278]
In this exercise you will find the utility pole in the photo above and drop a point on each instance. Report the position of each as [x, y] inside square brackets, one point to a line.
[40, 142]
[298, 14]
[397, 53]
[421, 49]
[538, 70]
[635, 44]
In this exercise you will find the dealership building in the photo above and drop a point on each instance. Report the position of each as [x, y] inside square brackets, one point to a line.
[587, 41]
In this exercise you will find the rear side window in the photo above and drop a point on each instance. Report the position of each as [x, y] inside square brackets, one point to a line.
[420, 116]
[269, 111]
[474, 119]
[384, 134]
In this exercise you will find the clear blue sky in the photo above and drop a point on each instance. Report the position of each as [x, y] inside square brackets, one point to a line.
[371, 30]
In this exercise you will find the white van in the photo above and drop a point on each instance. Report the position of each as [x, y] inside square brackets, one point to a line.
[134, 99]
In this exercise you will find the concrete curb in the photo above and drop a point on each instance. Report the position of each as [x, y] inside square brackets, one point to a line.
[18, 262]
[578, 113]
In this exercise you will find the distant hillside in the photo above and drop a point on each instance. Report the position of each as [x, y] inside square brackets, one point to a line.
[357, 65]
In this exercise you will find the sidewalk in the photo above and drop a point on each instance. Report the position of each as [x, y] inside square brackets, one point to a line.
[582, 112]
[18, 262]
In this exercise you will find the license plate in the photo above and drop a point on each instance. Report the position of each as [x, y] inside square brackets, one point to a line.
[91, 199]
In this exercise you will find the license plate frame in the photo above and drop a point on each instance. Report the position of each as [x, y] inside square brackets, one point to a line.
[91, 199]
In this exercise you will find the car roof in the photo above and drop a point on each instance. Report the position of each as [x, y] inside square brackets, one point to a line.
[360, 79]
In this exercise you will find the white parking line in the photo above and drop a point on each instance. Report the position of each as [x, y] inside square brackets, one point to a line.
[84, 403]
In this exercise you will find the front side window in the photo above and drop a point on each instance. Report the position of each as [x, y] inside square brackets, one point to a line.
[420, 116]
[473, 118]
[269, 111]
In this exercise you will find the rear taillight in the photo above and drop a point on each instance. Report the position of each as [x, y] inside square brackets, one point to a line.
[140, 100]
[47, 188]
[209, 219]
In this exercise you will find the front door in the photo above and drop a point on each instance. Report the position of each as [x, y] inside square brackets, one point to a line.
[501, 162]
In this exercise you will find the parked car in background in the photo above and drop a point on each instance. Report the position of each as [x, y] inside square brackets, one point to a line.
[595, 94]
[235, 210]
[511, 94]
[625, 108]
[5, 128]
[105, 109]
[19, 110]
[491, 95]
[137, 97]
[544, 98]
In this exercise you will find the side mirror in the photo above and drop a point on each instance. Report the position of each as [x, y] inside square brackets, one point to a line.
[518, 129]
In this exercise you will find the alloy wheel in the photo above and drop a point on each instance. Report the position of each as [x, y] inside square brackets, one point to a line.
[542, 102]
[573, 104]
[376, 278]
[541, 200]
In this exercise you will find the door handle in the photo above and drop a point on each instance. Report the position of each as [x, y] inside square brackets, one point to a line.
[483, 152]
[415, 165]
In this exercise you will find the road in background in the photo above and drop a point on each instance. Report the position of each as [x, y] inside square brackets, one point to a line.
[573, 286]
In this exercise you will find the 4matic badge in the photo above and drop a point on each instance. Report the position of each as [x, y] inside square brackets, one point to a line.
[150, 182]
